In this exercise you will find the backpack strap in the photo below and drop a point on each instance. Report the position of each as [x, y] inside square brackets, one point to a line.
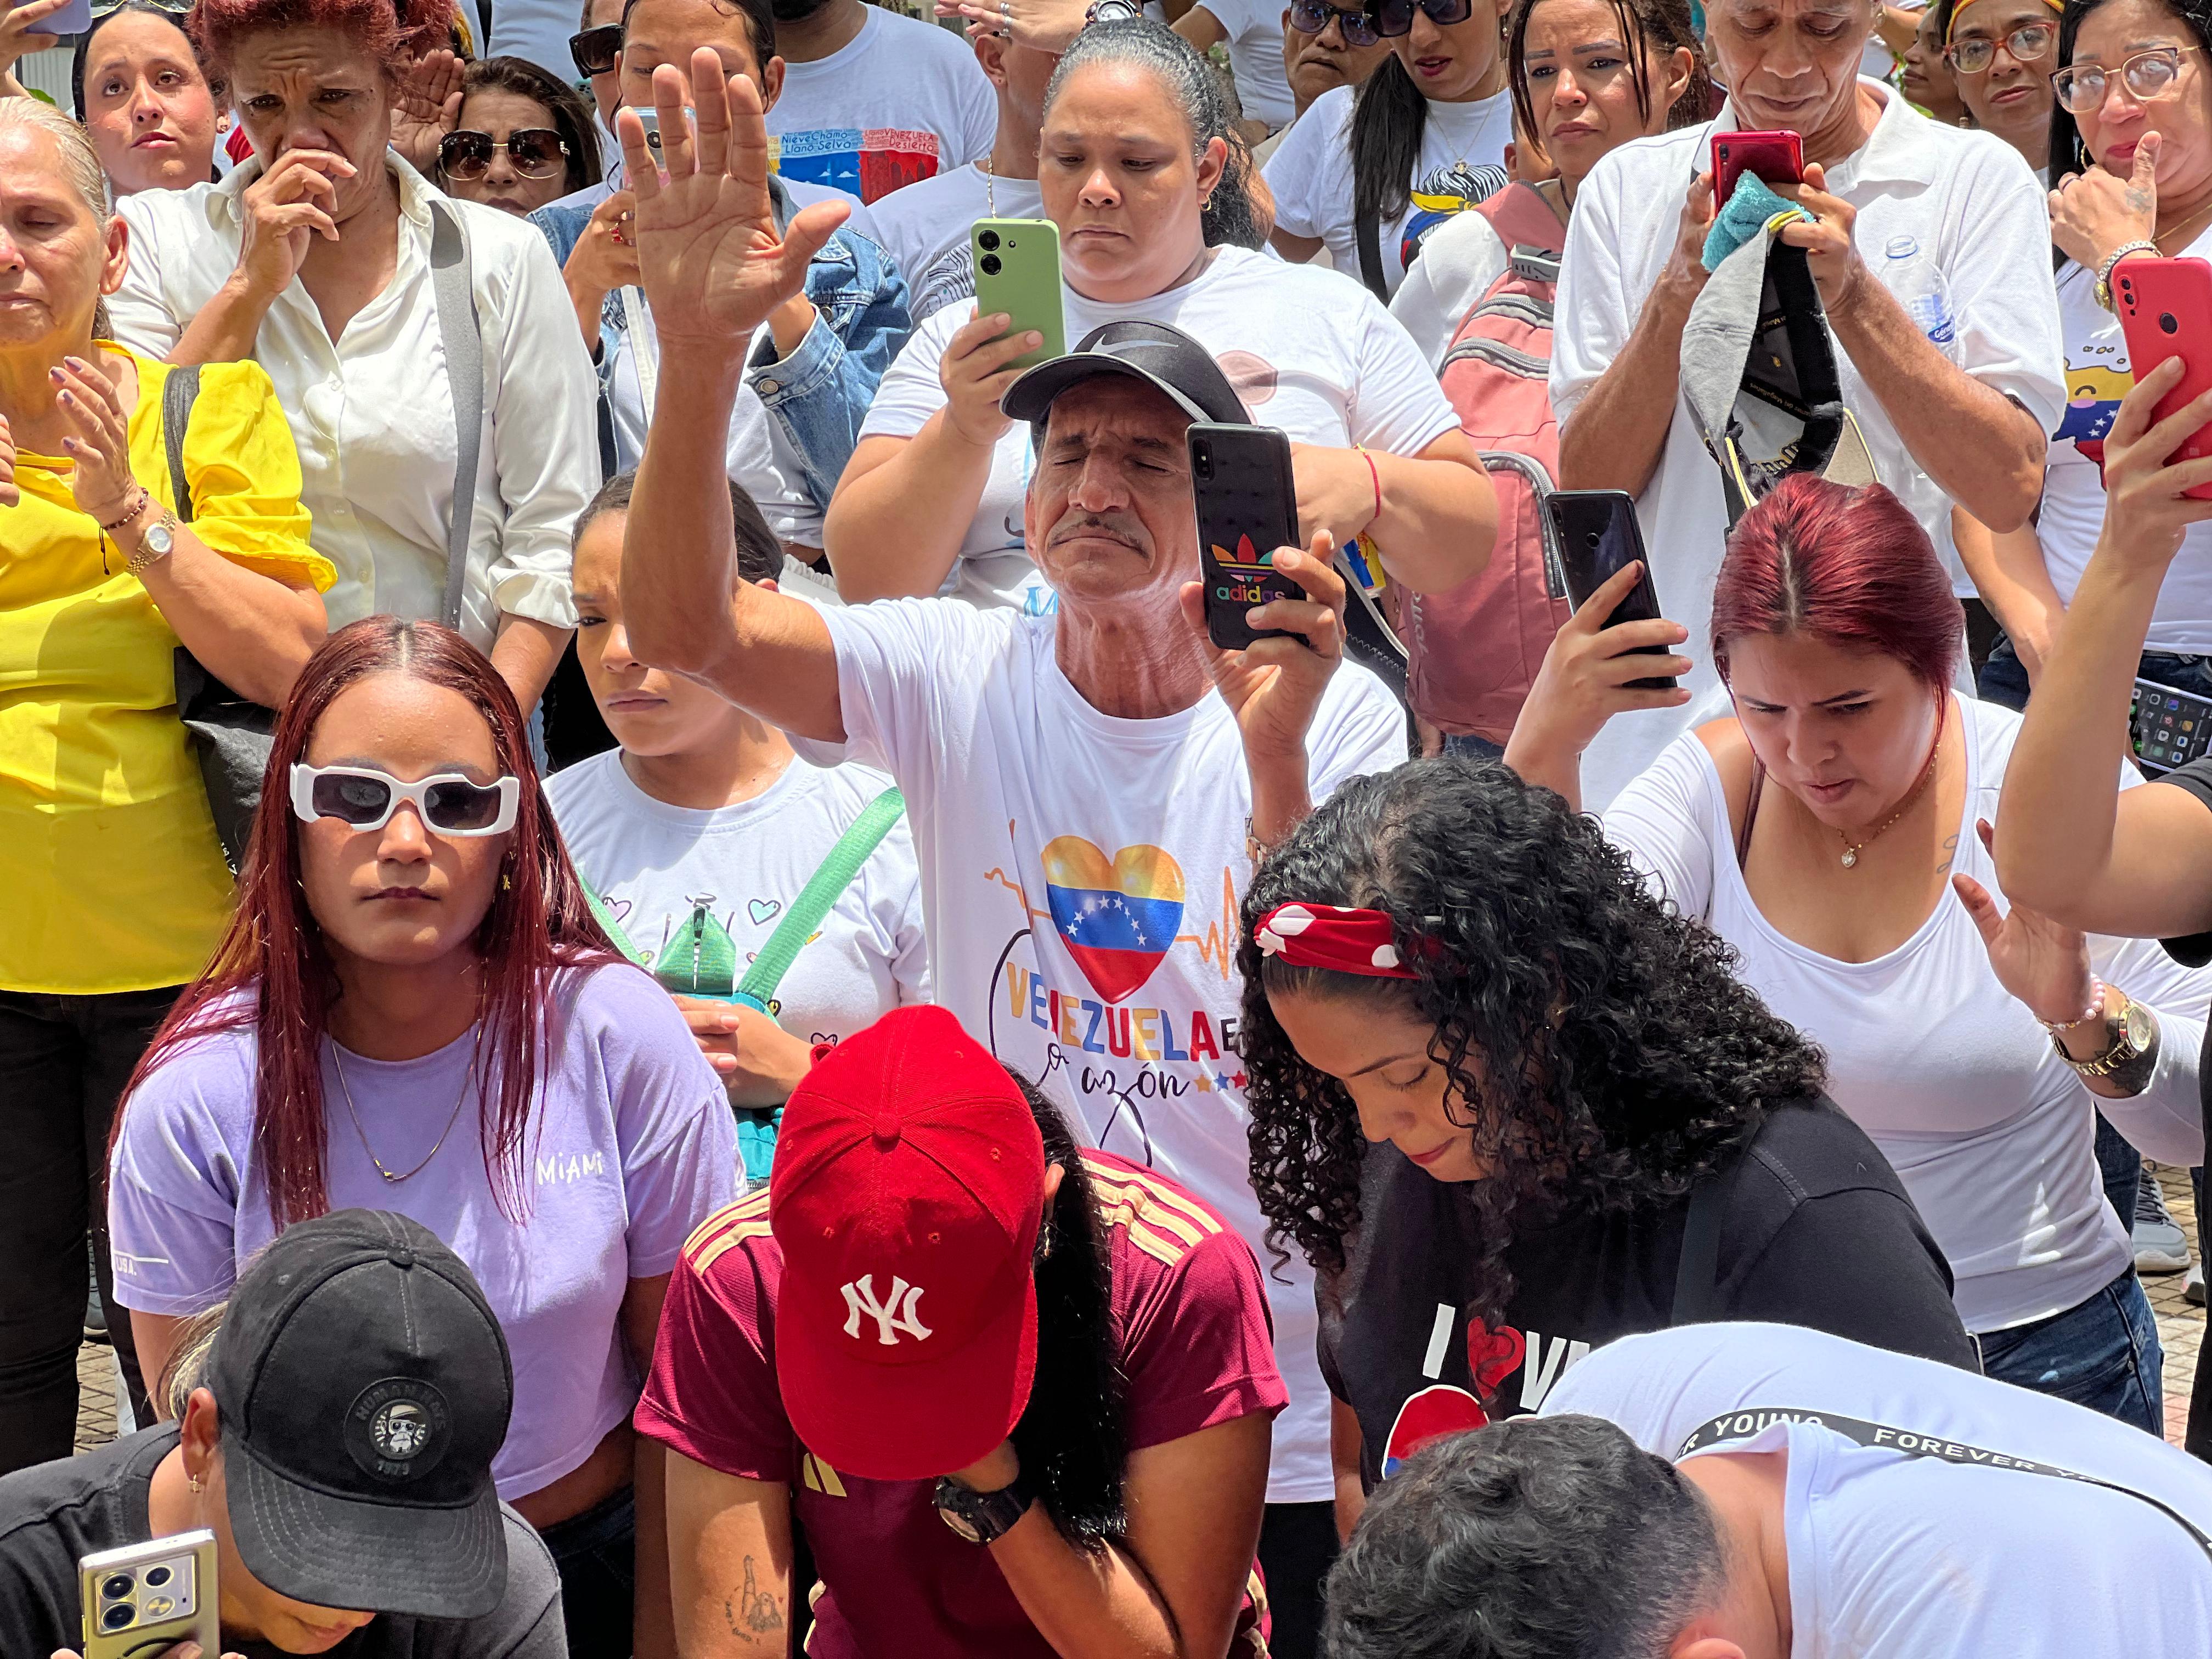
[1369, 235]
[836, 874]
[460, 330]
[178, 393]
[605, 917]
[1697, 1274]
[1523, 216]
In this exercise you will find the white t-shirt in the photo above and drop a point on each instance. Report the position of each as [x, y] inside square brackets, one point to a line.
[1311, 174]
[1080, 878]
[1254, 28]
[1308, 351]
[926, 227]
[1459, 261]
[1988, 1128]
[1965, 196]
[2097, 375]
[729, 874]
[537, 30]
[901, 101]
[1916, 1557]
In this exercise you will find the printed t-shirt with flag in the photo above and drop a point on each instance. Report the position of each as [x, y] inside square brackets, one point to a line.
[1079, 882]
[2097, 375]
[902, 101]
[1187, 1300]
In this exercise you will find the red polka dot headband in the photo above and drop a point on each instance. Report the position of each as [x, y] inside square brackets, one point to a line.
[1330, 936]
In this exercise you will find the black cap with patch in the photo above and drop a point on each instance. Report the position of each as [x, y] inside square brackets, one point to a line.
[1164, 357]
[364, 1386]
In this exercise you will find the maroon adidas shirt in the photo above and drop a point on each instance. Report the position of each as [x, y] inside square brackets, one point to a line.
[1197, 1347]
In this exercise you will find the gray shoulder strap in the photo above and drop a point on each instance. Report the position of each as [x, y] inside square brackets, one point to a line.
[460, 331]
[178, 393]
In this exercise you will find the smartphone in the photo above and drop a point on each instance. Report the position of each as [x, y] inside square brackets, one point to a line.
[2167, 727]
[73, 19]
[1597, 533]
[1777, 157]
[1248, 506]
[1018, 271]
[142, 1599]
[649, 119]
[2165, 310]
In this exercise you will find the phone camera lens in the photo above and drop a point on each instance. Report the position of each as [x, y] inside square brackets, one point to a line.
[157, 1577]
[991, 265]
[115, 1586]
[987, 241]
[2166, 322]
[117, 1617]
[1592, 538]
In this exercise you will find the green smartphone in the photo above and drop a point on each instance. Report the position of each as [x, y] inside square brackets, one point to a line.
[1018, 271]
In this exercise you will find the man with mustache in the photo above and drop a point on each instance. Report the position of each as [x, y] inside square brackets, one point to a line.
[1087, 790]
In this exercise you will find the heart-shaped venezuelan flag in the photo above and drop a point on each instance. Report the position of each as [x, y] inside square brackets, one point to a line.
[1117, 917]
[1438, 1410]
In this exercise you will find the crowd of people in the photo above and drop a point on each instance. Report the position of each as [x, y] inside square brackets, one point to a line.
[669, 998]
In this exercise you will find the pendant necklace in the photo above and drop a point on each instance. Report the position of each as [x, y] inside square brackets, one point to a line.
[339, 1066]
[1853, 848]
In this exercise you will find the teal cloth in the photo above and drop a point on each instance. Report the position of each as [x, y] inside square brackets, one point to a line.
[756, 1128]
[1750, 205]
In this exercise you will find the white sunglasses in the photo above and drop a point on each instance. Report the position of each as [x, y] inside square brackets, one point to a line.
[365, 798]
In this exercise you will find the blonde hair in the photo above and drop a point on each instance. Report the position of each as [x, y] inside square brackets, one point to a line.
[187, 1364]
[79, 166]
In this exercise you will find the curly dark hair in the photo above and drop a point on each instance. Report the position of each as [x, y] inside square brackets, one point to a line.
[1600, 1050]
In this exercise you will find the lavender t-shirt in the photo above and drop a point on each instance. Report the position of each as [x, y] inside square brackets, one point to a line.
[631, 1146]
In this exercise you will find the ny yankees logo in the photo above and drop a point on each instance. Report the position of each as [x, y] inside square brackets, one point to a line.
[899, 1313]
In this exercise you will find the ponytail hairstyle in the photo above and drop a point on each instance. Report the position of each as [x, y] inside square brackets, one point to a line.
[1228, 218]
[1649, 28]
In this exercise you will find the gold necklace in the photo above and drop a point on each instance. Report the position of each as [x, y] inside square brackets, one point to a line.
[339, 1066]
[990, 189]
[2159, 236]
[1851, 848]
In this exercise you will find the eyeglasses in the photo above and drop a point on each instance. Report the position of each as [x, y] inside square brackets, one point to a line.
[2147, 75]
[2028, 44]
[595, 50]
[1314, 16]
[1395, 17]
[365, 798]
[537, 153]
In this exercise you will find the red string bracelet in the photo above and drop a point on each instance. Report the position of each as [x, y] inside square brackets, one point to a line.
[1374, 472]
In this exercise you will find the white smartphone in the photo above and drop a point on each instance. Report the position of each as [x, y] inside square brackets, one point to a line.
[142, 1599]
[72, 19]
[649, 119]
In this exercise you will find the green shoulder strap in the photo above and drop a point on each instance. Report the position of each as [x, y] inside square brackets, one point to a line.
[609, 925]
[834, 876]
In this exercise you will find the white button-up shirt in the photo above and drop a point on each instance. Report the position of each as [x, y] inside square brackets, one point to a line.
[373, 415]
[1971, 208]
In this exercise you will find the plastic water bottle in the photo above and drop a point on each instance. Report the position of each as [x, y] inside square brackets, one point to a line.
[1911, 275]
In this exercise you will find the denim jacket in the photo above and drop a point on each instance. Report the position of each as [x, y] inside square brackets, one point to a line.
[819, 395]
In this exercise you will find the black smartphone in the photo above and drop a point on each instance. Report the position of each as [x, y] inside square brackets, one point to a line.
[1248, 506]
[1597, 533]
[2168, 727]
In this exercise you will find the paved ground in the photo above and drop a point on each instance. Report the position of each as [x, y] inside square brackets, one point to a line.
[2180, 1329]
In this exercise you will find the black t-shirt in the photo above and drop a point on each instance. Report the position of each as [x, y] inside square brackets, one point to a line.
[2195, 950]
[53, 1513]
[1816, 1231]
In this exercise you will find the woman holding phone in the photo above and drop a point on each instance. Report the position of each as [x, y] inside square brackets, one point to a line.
[1137, 174]
[1835, 831]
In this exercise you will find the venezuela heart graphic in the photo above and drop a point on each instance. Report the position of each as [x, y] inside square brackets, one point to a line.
[1117, 917]
[1438, 1410]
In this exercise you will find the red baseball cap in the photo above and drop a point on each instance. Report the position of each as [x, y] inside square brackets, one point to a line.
[907, 1191]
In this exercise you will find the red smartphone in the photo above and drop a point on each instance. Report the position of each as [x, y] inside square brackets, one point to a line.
[1777, 157]
[2165, 310]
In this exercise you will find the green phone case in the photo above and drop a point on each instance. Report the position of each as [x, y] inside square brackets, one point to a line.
[1018, 271]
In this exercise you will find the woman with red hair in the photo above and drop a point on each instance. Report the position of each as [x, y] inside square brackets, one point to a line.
[413, 1010]
[1835, 831]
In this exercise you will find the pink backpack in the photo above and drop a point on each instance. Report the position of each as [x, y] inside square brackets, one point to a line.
[1472, 651]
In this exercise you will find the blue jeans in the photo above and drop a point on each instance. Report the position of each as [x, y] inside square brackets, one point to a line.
[2104, 1354]
[596, 1555]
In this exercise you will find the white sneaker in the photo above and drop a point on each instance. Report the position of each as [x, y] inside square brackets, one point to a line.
[2160, 1245]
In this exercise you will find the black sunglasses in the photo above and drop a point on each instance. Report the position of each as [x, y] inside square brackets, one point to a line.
[537, 153]
[595, 50]
[1314, 16]
[1395, 17]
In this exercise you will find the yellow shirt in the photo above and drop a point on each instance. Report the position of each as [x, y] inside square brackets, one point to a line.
[111, 877]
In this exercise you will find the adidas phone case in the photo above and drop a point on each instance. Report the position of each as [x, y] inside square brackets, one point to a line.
[1248, 506]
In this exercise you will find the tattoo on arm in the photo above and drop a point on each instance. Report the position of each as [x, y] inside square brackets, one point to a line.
[2136, 1076]
[751, 1612]
[1950, 855]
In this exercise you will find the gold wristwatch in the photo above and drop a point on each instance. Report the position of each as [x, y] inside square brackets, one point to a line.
[2129, 1032]
[156, 542]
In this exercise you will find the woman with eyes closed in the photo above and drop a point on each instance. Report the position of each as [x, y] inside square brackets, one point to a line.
[413, 1009]
[1836, 833]
[1136, 169]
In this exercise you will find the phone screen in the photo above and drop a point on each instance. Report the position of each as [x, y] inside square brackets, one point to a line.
[1597, 535]
[2168, 727]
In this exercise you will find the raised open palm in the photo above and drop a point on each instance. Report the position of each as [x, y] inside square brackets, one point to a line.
[711, 263]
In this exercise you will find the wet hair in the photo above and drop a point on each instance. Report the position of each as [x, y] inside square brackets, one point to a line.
[760, 23]
[1658, 26]
[1230, 219]
[390, 31]
[564, 107]
[1849, 566]
[1598, 1049]
[2067, 154]
[1532, 1539]
[172, 16]
[1071, 1440]
[760, 555]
